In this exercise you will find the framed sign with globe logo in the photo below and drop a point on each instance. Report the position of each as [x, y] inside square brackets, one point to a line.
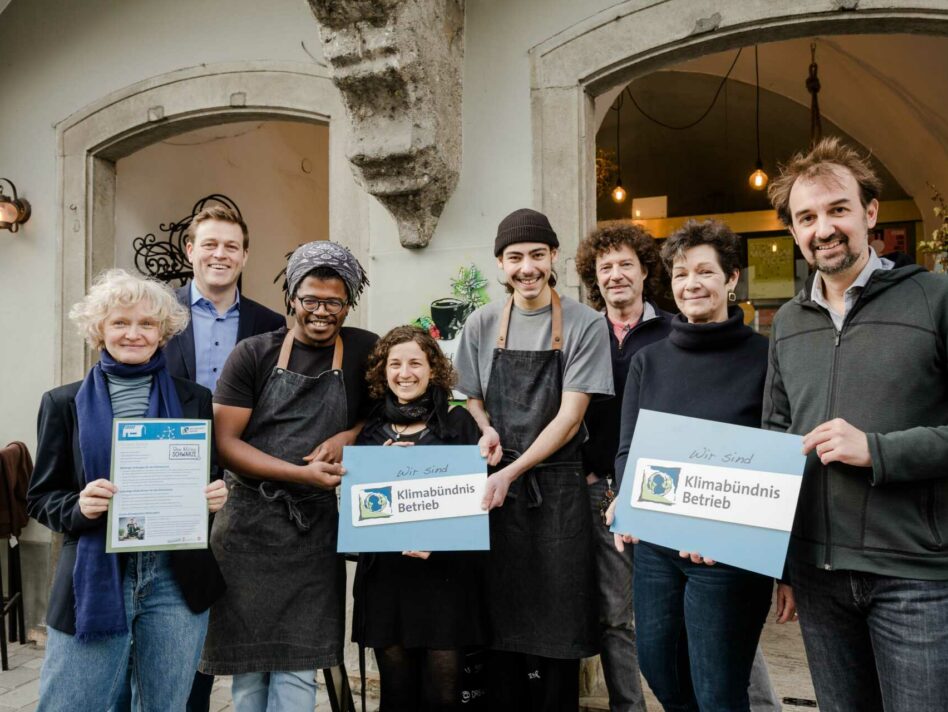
[725, 491]
[418, 498]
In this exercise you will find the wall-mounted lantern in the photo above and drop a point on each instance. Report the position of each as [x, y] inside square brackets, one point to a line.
[13, 211]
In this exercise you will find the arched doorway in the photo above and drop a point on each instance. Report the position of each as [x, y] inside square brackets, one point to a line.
[92, 140]
[622, 43]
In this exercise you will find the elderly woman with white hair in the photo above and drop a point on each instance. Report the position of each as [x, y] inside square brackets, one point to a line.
[108, 610]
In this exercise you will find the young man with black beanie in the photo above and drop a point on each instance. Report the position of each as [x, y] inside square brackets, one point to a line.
[529, 368]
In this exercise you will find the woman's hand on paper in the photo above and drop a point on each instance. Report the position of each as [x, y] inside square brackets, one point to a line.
[94, 498]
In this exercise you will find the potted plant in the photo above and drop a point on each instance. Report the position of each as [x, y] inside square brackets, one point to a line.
[468, 293]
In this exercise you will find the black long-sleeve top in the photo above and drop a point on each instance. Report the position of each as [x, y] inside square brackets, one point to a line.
[711, 371]
[602, 415]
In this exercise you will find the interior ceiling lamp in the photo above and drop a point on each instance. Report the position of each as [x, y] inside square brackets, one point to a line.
[813, 86]
[758, 179]
[619, 193]
[13, 211]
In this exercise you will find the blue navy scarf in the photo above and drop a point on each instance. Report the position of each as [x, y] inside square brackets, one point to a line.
[97, 576]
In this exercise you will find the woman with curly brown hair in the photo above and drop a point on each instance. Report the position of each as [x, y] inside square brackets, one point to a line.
[418, 610]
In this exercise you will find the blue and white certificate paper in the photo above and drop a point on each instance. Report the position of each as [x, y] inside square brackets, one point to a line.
[425, 498]
[161, 467]
[726, 491]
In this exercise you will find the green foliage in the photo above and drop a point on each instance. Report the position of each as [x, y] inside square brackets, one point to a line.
[939, 241]
[470, 286]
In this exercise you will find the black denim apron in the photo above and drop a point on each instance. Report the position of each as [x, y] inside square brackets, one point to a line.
[276, 541]
[542, 587]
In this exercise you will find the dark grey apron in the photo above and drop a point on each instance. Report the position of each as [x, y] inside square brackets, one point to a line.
[276, 541]
[542, 586]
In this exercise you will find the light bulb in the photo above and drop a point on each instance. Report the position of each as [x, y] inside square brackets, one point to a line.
[758, 179]
[8, 212]
[618, 193]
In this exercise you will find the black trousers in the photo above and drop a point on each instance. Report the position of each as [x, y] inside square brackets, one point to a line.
[200, 699]
[517, 682]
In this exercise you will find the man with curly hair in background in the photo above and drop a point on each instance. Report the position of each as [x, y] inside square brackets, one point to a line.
[622, 273]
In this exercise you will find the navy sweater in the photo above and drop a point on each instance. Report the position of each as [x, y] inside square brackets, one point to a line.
[602, 416]
[711, 371]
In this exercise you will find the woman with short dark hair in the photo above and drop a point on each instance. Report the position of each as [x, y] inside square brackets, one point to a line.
[698, 623]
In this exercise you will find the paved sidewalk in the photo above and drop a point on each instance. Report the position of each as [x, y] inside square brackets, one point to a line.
[19, 686]
[783, 648]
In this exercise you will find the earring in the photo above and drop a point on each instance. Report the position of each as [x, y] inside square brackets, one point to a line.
[731, 296]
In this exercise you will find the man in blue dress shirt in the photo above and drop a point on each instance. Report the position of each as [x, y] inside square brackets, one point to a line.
[217, 244]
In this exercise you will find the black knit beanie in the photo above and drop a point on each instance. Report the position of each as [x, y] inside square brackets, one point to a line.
[524, 225]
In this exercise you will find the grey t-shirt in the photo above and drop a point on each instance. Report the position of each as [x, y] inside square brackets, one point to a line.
[586, 355]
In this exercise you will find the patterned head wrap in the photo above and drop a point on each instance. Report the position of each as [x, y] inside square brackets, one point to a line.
[323, 253]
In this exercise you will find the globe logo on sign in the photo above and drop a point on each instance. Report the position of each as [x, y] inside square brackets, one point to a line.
[375, 503]
[659, 484]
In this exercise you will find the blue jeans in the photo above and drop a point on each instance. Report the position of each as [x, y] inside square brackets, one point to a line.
[620, 664]
[164, 643]
[873, 642]
[697, 629]
[291, 691]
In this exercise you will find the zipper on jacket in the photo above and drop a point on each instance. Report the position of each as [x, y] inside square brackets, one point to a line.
[831, 411]
[830, 414]
[827, 557]
[635, 328]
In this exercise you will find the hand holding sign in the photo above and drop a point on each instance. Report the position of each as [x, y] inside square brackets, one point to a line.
[95, 497]
[620, 540]
[726, 491]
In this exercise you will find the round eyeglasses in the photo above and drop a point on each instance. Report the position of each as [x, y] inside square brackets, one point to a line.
[312, 304]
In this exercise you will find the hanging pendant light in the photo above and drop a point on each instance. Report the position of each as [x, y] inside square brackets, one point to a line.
[758, 179]
[619, 193]
[813, 86]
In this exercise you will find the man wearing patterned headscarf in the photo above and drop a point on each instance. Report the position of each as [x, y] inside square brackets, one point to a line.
[285, 405]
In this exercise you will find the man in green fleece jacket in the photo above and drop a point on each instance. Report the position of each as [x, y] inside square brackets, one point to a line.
[858, 367]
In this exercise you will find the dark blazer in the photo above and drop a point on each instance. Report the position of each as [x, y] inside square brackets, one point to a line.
[53, 500]
[254, 319]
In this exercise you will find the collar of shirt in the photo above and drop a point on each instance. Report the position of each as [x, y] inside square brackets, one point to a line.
[620, 328]
[198, 298]
[852, 292]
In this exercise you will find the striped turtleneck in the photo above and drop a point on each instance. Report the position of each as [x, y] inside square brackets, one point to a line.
[129, 396]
